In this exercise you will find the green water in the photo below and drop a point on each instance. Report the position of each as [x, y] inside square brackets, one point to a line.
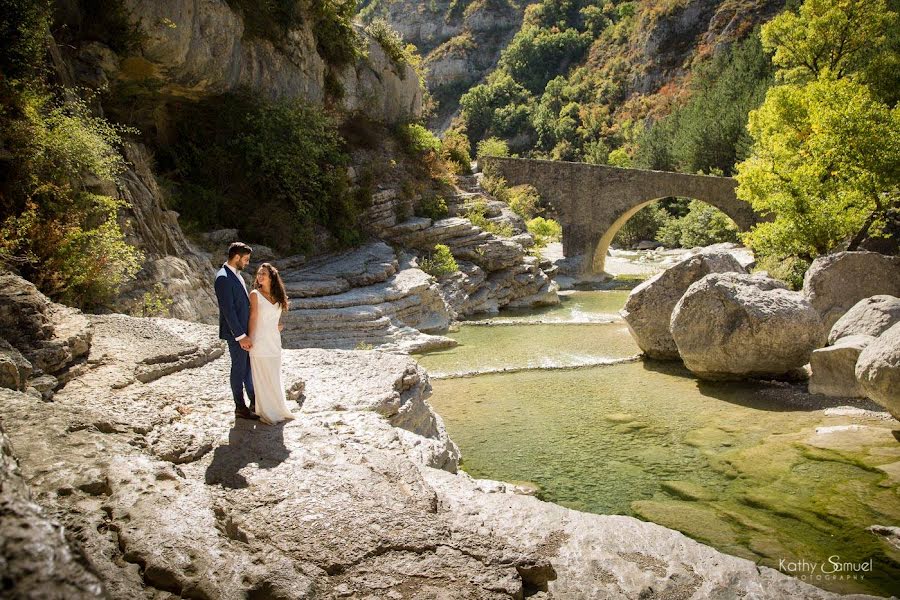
[736, 465]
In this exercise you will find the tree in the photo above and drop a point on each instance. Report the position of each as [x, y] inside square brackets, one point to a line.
[837, 38]
[825, 165]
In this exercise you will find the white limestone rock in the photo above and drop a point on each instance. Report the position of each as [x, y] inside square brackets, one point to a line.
[648, 309]
[834, 367]
[836, 282]
[878, 370]
[731, 326]
[870, 316]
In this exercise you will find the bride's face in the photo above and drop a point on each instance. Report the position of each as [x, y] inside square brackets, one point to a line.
[262, 279]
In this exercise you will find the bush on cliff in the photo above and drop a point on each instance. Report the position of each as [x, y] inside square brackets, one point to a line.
[440, 262]
[62, 237]
[275, 170]
[53, 228]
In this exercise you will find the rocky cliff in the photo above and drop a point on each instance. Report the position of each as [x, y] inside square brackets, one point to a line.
[459, 41]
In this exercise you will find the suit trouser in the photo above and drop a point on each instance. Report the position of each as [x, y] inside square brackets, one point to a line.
[240, 374]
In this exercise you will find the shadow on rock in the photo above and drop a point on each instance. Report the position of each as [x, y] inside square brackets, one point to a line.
[249, 442]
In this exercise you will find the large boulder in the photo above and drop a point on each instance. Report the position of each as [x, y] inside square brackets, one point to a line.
[648, 309]
[730, 326]
[836, 282]
[870, 316]
[878, 370]
[834, 368]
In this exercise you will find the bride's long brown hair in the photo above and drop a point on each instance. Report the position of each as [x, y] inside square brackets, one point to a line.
[276, 285]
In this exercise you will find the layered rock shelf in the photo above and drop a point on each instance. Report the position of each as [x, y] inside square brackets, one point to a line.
[494, 272]
[161, 492]
[368, 296]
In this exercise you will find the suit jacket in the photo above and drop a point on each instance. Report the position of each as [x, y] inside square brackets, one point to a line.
[234, 305]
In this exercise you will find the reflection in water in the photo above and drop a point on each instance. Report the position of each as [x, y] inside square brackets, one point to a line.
[740, 466]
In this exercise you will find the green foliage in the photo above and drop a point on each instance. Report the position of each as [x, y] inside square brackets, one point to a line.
[825, 166]
[491, 147]
[433, 207]
[156, 303]
[619, 158]
[392, 43]
[525, 201]
[643, 225]
[418, 140]
[64, 239]
[440, 262]
[496, 187]
[455, 150]
[363, 346]
[789, 269]
[24, 26]
[498, 107]
[709, 131]
[535, 55]
[544, 231]
[701, 226]
[475, 212]
[286, 159]
[835, 39]
[331, 21]
[337, 41]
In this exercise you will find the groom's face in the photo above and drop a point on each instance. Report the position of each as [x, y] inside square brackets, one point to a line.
[242, 262]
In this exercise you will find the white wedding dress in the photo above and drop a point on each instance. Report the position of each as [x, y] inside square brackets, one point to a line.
[265, 363]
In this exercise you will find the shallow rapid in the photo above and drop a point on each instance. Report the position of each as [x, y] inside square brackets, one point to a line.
[558, 398]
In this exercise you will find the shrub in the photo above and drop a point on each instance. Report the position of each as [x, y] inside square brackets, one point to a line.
[433, 207]
[496, 187]
[643, 225]
[285, 158]
[392, 44]
[525, 201]
[701, 226]
[455, 150]
[64, 239]
[419, 140]
[24, 26]
[789, 269]
[440, 262]
[475, 213]
[544, 231]
[336, 39]
[156, 303]
[492, 147]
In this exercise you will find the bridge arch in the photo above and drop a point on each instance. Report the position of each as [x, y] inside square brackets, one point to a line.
[593, 201]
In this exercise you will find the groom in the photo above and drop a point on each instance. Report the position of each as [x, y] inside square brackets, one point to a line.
[234, 316]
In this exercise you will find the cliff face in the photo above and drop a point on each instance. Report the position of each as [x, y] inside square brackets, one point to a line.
[194, 49]
[197, 48]
[460, 42]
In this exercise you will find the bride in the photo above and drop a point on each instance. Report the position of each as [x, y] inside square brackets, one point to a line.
[268, 301]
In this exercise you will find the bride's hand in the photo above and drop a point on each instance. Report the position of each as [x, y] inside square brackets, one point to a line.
[281, 327]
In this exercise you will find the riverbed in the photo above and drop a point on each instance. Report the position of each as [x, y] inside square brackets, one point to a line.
[560, 399]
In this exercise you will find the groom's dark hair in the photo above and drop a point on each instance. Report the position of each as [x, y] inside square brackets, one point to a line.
[238, 248]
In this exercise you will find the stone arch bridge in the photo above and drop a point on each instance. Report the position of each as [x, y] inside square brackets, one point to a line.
[592, 202]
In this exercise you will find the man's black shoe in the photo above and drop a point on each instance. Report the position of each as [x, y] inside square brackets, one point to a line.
[246, 413]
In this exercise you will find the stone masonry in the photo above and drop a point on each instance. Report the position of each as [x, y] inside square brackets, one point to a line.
[592, 202]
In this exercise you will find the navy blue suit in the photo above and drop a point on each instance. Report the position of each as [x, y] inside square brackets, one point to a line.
[234, 317]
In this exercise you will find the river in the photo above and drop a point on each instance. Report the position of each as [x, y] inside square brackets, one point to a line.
[558, 398]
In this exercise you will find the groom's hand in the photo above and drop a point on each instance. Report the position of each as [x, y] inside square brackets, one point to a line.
[246, 344]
